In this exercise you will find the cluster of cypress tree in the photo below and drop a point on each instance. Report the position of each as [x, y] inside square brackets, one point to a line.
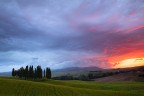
[32, 73]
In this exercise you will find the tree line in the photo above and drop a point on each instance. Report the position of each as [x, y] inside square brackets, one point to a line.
[29, 72]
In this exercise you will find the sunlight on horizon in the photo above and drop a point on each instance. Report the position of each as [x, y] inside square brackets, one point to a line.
[130, 63]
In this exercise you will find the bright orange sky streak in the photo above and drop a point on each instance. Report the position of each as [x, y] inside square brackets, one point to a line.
[135, 58]
[130, 63]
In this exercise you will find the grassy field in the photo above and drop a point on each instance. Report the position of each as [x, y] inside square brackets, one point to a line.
[15, 87]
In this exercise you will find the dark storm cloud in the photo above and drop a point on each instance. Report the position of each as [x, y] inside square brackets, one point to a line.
[14, 24]
[18, 33]
[74, 28]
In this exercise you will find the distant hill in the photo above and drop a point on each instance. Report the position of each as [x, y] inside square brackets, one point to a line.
[5, 74]
[74, 70]
[77, 69]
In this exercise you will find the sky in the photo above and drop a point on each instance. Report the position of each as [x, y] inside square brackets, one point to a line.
[71, 33]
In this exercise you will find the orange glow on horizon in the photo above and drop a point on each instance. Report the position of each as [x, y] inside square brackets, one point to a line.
[130, 63]
[135, 58]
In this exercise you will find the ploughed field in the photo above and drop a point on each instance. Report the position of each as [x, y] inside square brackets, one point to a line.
[16, 87]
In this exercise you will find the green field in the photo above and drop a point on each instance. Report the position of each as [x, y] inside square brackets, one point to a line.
[16, 87]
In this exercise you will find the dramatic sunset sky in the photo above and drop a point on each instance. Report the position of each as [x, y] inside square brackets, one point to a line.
[71, 33]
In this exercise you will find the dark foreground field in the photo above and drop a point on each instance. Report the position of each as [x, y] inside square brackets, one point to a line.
[15, 87]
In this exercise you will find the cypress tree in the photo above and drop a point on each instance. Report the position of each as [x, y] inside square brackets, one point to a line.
[18, 73]
[32, 72]
[13, 72]
[26, 72]
[39, 72]
[48, 73]
[22, 72]
[29, 73]
[35, 73]
[44, 73]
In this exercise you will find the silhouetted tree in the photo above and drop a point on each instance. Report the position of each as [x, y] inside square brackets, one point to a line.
[32, 72]
[29, 73]
[44, 73]
[22, 72]
[39, 72]
[35, 73]
[48, 73]
[26, 72]
[13, 72]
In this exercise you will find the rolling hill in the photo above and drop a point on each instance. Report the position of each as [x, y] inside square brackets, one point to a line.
[73, 71]
[5, 74]
[77, 69]
[14, 87]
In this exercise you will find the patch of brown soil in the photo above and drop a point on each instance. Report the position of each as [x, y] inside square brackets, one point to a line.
[119, 77]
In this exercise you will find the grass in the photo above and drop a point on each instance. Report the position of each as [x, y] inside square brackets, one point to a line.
[15, 87]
